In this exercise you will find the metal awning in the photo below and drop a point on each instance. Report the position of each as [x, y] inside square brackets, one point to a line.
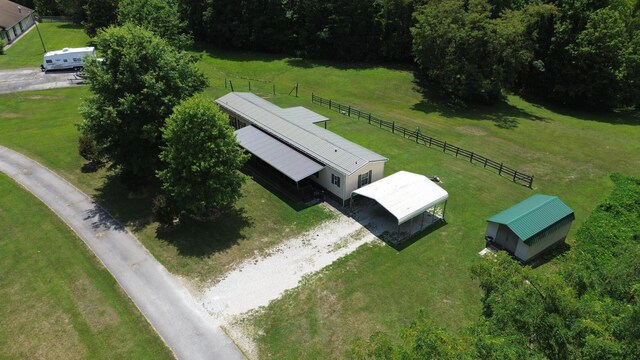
[405, 195]
[283, 158]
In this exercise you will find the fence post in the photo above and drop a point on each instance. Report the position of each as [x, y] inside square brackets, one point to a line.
[444, 148]
[393, 127]
[500, 170]
[369, 118]
[485, 162]
[329, 104]
[457, 151]
[515, 172]
[530, 181]
[349, 113]
[471, 160]
[430, 139]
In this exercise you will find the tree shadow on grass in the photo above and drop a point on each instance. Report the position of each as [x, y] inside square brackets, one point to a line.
[235, 55]
[502, 114]
[192, 237]
[132, 210]
[195, 238]
[618, 117]
[306, 63]
[69, 25]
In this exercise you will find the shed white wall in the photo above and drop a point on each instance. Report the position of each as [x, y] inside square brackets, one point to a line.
[492, 230]
[525, 252]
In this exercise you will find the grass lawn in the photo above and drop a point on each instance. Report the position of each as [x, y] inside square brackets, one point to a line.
[570, 153]
[376, 288]
[27, 52]
[41, 124]
[57, 299]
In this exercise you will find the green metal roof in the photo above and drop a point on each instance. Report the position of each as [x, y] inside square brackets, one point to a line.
[533, 215]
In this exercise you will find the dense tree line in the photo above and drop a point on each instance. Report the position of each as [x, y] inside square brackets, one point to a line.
[575, 52]
[588, 309]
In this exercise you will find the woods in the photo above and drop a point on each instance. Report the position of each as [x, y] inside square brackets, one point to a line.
[570, 52]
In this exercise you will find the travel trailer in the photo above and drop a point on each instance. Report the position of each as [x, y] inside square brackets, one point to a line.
[67, 58]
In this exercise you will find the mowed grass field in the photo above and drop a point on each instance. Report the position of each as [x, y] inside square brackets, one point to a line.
[377, 288]
[570, 153]
[58, 302]
[28, 52]
[42, 125]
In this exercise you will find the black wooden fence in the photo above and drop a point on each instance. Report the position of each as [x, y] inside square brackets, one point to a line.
[416, 135]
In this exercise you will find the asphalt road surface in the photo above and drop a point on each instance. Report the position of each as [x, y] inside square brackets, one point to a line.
[182, 323]
[33, 79]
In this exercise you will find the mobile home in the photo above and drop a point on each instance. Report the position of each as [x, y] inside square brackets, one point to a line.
[67, 58]
[290, 141]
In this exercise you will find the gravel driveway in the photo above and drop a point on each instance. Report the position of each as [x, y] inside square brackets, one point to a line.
[33, 79]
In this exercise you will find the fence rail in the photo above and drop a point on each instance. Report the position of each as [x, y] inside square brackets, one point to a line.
[420, 138]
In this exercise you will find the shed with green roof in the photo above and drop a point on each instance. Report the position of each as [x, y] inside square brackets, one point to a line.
[530, 227]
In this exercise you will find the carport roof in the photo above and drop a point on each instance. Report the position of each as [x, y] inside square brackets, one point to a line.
[404, 194]
[283, 158]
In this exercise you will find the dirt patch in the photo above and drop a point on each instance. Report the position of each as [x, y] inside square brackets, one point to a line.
[10, 116]
[44, 97]
[92, 305]
[471, 130]
[40, 330]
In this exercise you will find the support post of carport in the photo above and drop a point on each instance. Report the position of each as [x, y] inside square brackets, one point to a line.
[445, 209]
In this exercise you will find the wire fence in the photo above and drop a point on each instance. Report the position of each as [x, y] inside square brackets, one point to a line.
[503, 170]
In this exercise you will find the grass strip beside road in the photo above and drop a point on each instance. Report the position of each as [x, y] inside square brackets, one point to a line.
[58, 301]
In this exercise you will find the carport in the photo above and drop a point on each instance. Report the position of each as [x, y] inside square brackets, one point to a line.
[295, 165]
[408, 196]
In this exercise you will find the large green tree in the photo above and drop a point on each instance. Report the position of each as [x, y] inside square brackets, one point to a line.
[201, 158]
[161, 17]
[99, 14]
[133, 91]
[454, 44]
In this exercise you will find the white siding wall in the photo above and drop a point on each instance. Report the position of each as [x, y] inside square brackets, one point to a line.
[525, 253]
[324, 180]
[492, 229]
[377, 172]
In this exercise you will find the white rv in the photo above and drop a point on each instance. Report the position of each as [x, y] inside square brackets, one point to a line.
[67, 58]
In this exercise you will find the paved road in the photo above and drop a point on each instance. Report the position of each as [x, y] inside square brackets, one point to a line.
[33, 79]
[181, 322]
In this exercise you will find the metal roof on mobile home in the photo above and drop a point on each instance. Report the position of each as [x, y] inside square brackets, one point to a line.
[295, 127]
[283, 158]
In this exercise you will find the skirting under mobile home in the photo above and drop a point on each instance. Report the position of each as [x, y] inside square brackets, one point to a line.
[531, 227]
